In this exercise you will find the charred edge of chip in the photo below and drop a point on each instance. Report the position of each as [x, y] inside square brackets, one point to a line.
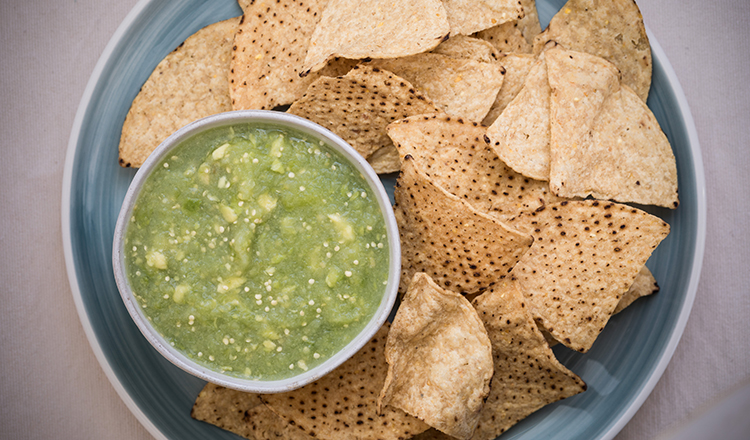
[445, 37]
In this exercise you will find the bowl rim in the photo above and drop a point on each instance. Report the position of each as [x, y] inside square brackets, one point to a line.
[273, 119]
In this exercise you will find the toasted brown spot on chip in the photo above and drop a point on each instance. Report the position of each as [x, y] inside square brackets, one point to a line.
[270, 46]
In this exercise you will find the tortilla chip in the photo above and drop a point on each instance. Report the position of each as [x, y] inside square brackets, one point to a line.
[464, 47]
[528, 376]
[604, 141]
[460, 87]
[343, 404]
[376, 29]
[269, 46]
[586, 255]
[453, 155]
[469, 16]
[529, 23]
[517, 67]
[188, 84]
[613, 30]
[385, 160]
[242, 413]
[645, 284]
[461, 248]
[506, 38]
[439, 357]
[359, 105]
[520, 136]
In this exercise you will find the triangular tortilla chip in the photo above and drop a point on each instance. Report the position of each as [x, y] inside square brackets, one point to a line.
[242, 413]
[586, 255]
[527, 374]
[464, 47]
[359, 105]
[520, 135]
[460, 248]
[343, 404]
[604, 141]
[188, 84]
[376, 29]
[460, 87]
[517, 67]
[269, 47]
[613, 30]
[645, 284]
[453, 154]
[469, 16]
[439, 357]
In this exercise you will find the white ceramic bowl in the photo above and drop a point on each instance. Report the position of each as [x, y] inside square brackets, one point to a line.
[317, 132]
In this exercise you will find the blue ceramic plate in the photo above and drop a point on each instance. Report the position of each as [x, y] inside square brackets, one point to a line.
[620, 370]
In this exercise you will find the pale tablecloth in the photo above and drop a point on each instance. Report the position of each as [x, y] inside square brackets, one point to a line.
[52, 387]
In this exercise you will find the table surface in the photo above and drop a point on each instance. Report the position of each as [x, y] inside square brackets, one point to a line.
[52, 385]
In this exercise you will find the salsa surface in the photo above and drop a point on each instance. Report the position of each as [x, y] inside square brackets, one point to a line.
[257, 251]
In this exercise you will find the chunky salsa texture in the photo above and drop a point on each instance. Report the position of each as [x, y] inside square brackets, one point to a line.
[257, 251]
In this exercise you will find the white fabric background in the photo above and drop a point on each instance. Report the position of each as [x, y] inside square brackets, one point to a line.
[51, 386]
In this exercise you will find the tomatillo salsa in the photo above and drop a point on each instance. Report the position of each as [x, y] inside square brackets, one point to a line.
[257, 251]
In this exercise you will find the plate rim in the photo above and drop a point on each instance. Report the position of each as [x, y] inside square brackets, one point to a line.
[70, 266]
[638, 400]
[700, 235]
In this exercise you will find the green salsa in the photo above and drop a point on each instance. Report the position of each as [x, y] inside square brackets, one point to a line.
[257, 251]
